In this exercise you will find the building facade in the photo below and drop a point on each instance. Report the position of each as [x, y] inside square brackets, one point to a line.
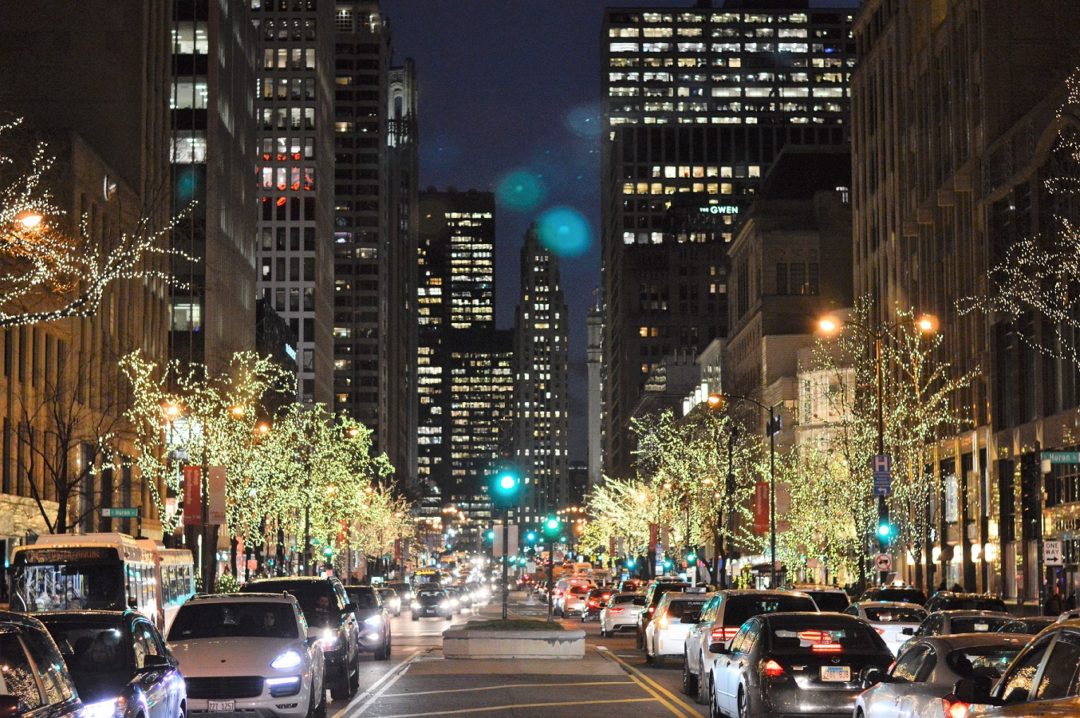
[294, 111]
[594, 358]
[955, 116]
[541, 432]
[212, 307]
[697, 103]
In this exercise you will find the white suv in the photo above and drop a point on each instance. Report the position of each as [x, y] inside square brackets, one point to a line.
[248, 652]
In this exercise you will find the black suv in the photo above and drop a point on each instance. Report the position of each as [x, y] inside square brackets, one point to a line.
[29, 655]
[331, 618]
[956, 601]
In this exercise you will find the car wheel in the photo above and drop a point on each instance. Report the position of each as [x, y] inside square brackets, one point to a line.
[415, 617]
[689, 680]
[317, 705]
[744, 704]
[702, 697]
[340, 688]
[714, 708]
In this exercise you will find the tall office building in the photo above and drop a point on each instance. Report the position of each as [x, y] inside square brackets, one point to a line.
[294, 111]
[541, 403]
[213, 160]
[594, 358]
[456, 290]
[91, 79]
[697, 103]
[954, 126]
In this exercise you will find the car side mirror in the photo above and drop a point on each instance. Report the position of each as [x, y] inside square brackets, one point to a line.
[152, 663]
[10, 706]
[133, 602]
[973, 690]
[719, 648]
[872, 675]
[909, 631]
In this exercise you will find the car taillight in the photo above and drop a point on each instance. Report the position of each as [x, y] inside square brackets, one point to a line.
[954, 708]
[615, 609]
[593, 602]
[723, 633]
[826, 648]
[772, 669]
[881, 631]
[651, 609]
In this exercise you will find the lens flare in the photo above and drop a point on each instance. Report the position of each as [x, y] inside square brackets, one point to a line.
[584, 120]
[564, 231]
[520, 190]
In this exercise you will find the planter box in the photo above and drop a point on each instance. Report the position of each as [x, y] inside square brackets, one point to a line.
[463, 643]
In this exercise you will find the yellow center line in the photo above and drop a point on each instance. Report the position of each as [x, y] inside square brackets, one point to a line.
[673, 702]
[516, 706]
[507, 685]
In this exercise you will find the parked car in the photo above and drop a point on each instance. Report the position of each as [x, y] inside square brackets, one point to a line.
[249, 653]
[926, 671]
[620, 612]
[331, 619]
[666, 633]
[827, 598]
[373, 618]
[1029, 625]
[653, 593]
[594, 602]
[30, 659]
[721, 618]
[432, 602]
[119, 662]
[905, 594]
[1041, 680]
[574, 600]
[794, 663]
[890, 619]
[391, 600]
[950, 601]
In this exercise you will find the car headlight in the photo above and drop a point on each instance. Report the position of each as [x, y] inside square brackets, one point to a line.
[373, 621]
[416, 605]
[288, 659]
[283, 686]
[444, 605]
[454, 602]
[112, 708]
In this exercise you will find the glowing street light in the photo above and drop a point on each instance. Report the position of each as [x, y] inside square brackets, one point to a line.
[29, 219]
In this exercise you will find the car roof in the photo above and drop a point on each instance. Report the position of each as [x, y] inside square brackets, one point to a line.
[956, 641]
[966, 613]
[963, 594]
[888, 604]
[816, 615]
[84, 615]
[817, 587]
[21, 620]
[731, 592]
[245, 597]
[292, 579]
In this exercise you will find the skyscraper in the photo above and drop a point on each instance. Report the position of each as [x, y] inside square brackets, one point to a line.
[541, 405]
[594, 357]
[295, 253]
[697, 103]
[213, 160]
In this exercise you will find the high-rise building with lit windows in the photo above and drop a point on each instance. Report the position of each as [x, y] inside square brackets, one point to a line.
[456, 293]
[541, 404]
[697, 103]
[294, 112]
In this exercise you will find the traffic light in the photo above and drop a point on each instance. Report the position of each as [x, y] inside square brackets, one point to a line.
[328, 551]
[886, 532]
[490, 535]
[506, 489]
[552, 528]
[691, 557]
[530, 537]
[668, 564]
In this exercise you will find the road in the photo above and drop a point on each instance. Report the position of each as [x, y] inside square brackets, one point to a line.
[417, 682]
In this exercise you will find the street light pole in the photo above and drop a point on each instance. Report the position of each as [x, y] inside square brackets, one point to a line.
[772, 498]
[878, 371]
[505, 561]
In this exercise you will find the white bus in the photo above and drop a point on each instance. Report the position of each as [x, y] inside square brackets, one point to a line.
[108, 571]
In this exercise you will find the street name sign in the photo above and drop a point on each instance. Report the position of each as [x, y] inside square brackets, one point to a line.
[120, 512]
[1061, 457]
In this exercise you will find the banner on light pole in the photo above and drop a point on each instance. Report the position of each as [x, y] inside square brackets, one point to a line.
[512, 543]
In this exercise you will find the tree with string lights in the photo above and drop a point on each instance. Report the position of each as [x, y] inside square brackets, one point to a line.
[49, 270]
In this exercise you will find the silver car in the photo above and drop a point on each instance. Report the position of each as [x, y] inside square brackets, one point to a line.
[946, 623]
[926, 671]
[889, 619]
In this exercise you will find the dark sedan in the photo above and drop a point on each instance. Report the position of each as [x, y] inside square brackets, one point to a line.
[373, 619]
[955, 601]
[794, 663]
[432, 602]
[119, 662]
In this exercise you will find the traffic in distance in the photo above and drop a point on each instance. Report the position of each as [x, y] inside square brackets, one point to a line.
[106, 626]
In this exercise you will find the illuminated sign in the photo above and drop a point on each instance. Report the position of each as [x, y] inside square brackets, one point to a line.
[290, 352]
[719, 209]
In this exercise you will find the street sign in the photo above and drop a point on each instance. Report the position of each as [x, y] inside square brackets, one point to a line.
[1052, 553]
[882, 466]
[1061, 457]
[883, 562]
[120, 512]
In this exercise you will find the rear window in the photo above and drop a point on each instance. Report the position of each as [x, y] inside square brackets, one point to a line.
[678, 609]
[906, 595]
[820, 636]
[981, 661]
[974, 604]
[580, 590]
[740, 609]
[976, 625]
[894, 615]
[830, 600]
[629, 598]
[662, 588]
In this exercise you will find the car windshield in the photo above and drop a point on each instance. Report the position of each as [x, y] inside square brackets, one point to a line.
[96, 651]
[431, 595]
[679, 609]
[830, 600]
[362, 597]
[981, 624]
[981, 661]
[742, 608]
[257, 619]
[906, 595]
[975, 604]
[805, 634]
[628, 598]
[894, 614]
[316, 599]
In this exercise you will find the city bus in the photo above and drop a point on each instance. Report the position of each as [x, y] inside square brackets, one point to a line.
[108, 571]
[426, 575]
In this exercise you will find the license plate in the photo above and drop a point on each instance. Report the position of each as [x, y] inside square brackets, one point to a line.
[840, 674]
[221, 706]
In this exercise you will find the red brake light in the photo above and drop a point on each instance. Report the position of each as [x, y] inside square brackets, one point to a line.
[723, 633]
[955, 709]
[614, 609]
[772, 669]
[826, 648]
[881, 631]
[651, 609]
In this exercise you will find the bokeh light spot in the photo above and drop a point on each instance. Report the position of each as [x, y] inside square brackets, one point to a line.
[564, 231]
[584, 120]
[520, 190]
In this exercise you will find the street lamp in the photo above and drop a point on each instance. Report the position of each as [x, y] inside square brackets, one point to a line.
[925, 325]
[29, 219]
[719, 401]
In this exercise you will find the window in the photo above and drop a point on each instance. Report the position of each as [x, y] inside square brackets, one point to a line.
[1059, 676]
[1016, 684]
[781, 278]
[18, 675]
[908, 666]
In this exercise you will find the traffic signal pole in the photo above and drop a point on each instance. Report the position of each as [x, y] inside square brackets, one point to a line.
[882, 507]
[506, 562]
[551, 573]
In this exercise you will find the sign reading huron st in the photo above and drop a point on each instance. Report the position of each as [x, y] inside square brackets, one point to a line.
[1061, 457]
[120, 512]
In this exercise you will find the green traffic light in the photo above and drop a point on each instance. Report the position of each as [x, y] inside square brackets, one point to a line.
[885, 530]
[531, 537]
[691, 558]
[491, 535]
[552, 524]
[507, 482]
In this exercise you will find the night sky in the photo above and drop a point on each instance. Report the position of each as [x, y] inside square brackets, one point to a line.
[513, 86]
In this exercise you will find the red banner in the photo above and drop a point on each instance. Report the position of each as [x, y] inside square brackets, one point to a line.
[611, 546]
[761, 508]
[192, 496]
[654, 533]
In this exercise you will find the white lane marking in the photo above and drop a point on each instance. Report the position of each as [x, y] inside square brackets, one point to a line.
[508, 685]
[376, 689]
